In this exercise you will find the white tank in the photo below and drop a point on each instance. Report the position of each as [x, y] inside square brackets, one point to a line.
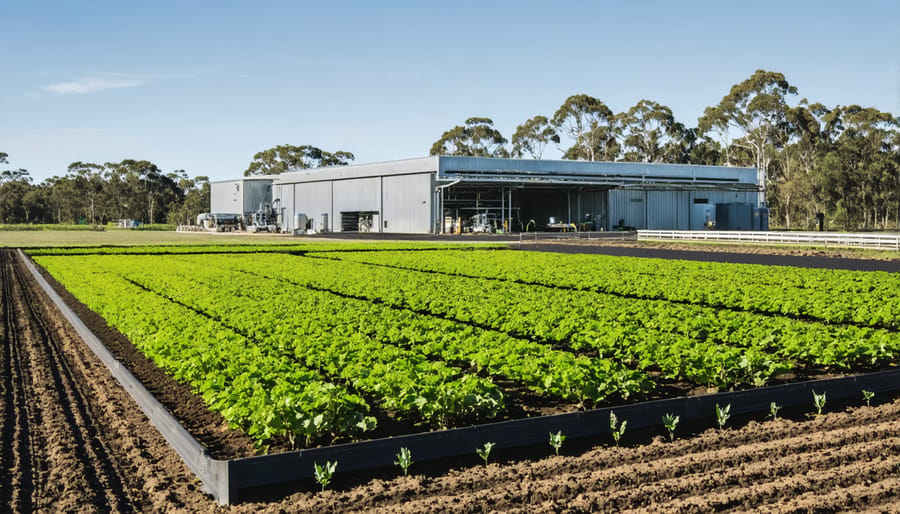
[300, 223]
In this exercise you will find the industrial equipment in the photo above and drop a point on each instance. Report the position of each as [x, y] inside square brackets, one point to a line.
[301, 223]
[266, 218]
[556, 223]
[219, 222]
[483, 223]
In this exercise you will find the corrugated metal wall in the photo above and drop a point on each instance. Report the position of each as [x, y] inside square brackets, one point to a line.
[355, 195]
[285, 193]
[591, 206]
[226, 197]
[407, 203]
[627, 206]
[666, 210]
[314, 200]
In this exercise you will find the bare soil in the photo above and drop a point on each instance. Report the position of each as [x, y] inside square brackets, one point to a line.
[73, 440]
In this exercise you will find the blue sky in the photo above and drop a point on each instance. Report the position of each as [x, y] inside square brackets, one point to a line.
[202, 86]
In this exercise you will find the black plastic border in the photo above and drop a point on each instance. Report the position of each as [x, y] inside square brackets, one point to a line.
[226, 479]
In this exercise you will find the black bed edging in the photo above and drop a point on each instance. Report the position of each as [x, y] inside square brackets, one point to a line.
[226, 479]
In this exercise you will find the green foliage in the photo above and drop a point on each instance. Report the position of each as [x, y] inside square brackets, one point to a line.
[670, 421]
[682, 317]
[773, 410]
[485, 452]
[425, 334]
[819, 402]
[653, 135]
[324, 473]
[617, 428]
[533, 136]
[590, 126]
[404, 460]
[556, 440]
[722, 415]
[285, 158]
[868, 395]
[39, 227]
[477, 138]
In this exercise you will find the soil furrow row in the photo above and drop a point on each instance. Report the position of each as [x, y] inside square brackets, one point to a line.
[19, 486]
[677, 480]
[880, 496]
[793, 486]
[68, 406]
[618, 488]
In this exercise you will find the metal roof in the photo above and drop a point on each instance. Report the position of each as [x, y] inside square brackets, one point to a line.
[508, 172]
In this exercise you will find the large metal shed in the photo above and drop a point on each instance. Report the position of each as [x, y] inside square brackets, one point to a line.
[242, 196]
[442, 194]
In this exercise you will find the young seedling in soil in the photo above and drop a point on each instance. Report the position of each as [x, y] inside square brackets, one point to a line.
[670, 421]
[404, 460]
[324, 473]
[485, 453]
[556, 440]
[819, 402]
[868, 395]
[773, 410]
[722, 415]
[617, 429]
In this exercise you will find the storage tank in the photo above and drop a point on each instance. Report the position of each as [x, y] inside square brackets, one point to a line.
[300, 223]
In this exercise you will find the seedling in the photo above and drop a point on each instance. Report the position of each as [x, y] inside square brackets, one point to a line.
[404, 460]
[722, 415]
[819, 402]
[773, 410]
[485, 453]
[617, 429]
[556, 440]
[324, 473]
[670, 421]
[868, 395]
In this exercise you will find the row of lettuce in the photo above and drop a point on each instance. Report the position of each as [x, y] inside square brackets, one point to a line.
[315, 346]
[833, 296]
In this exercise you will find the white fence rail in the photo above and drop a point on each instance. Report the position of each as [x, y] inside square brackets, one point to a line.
[861, 240]
[586, 235]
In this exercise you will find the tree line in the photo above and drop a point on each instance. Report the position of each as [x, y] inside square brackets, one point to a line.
[96, 194]
[842, 161]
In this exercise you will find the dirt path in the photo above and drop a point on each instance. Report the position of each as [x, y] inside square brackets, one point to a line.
[72, 438]
[74, 441]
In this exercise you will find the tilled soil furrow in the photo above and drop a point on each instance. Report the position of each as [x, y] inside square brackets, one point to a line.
[834, 479]
[72, 409]
[753, 433]
[716, 479]
[18, 489]
[58, 460]
[585, 475]
[880, 496]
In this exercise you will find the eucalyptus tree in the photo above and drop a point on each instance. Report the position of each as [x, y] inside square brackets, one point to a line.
[861, 170]
[533, 136]
[651, 134]
[699, 149]
[284, 158]
[756, 111]
[88, 178]
[795, 190]
[14, 185]
[591, 127]
[196, 200]
[476, 138]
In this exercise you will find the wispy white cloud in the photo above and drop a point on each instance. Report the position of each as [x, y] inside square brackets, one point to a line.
[96, 83]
